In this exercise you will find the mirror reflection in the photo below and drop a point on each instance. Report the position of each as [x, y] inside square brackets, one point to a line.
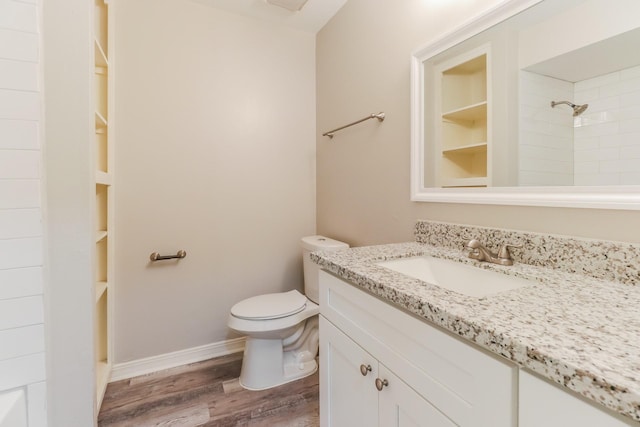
[548, 97]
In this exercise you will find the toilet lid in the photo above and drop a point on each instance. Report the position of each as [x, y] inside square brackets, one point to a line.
[270, 306]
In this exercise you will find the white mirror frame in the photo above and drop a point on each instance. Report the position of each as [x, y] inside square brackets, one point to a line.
[600, 197]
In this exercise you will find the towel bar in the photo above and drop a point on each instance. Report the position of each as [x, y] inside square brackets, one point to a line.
[379, 116]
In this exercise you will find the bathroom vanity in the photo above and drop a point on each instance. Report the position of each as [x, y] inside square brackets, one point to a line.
[564, 351]
[375, 356]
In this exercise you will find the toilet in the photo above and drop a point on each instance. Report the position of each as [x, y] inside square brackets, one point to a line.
[282, 328]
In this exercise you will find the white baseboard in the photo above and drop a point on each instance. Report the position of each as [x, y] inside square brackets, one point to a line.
[151, 364]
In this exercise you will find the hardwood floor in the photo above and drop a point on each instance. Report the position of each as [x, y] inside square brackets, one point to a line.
[208, 394]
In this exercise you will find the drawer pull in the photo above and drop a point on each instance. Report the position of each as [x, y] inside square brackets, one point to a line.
[365, 369]
[380, 384]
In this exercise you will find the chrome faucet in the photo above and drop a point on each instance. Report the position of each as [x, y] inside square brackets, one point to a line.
[481, 253]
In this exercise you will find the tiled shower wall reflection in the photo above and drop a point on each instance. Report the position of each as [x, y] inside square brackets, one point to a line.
[607, 135]
[600, 147]
[546, 134]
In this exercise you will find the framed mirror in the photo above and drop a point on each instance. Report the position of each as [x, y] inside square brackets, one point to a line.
[535, 102]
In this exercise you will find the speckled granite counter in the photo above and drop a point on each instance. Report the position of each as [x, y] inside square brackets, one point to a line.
[580, 331]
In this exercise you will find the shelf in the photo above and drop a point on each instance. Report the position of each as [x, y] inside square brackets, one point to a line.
[100, 57]
[102, 167]
[466, 149]
[101, 123]
[101, 288]
[466, 182]
[101, 235]
[469, 113]
[473, 66]
[103, 178]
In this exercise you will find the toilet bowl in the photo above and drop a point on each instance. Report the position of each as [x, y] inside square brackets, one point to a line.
[282, 328]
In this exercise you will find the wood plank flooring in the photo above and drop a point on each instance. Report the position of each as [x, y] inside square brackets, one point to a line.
[208, 394]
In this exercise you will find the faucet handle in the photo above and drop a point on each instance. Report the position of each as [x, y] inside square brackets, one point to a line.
[504, 250]
[472, 244]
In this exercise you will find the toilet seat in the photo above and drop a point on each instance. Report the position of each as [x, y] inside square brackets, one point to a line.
[270, 306]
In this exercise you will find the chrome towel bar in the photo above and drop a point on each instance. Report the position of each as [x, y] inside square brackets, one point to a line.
[157, 257]
[379, 116]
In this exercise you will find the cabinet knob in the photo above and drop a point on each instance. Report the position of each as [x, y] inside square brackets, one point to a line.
[380, 384]
[365, 369]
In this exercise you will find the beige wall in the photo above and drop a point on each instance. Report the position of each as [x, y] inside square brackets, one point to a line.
[215, 155]
[363, 66]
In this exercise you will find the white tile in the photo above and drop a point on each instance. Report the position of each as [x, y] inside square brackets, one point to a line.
[600, 129]
[546, 165]
[630, 125]
[620, 140]
[18, 75]
[19, 223]
[630, 152]
[20, 282]
[586, 96]
[37, 404]
[597, 154]
[19, 312]
[594, 118]
[630, 73]
[600, 81]
[23, 341]
[562, 128]
[18, 16]
[620, 166]
[538, 178]
[19, 105]
[602, 104]
[586, 168]
[20, 164]
[586, 143]
[597, 179]
[550, 153]
[21, 371]
[630, 178]
[630, 98]
[18, 253]
[621, 88]
[18, 45]
[20, 193]
[629, 112]
[559, 142]
[19, 134]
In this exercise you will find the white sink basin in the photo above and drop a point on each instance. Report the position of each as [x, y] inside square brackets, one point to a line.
[455, 276]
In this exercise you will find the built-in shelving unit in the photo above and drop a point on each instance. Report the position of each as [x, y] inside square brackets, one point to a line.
[463, 127]
[103, 148]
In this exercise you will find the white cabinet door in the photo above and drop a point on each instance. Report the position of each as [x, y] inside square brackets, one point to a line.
[401, 406]
[347, 398]
[545, 404]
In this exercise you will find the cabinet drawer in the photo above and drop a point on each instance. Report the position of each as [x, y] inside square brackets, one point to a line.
[468, 385]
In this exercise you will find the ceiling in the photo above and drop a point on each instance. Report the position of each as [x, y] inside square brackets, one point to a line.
[313, 16]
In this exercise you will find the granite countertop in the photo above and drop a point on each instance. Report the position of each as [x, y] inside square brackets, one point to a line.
[578, 331]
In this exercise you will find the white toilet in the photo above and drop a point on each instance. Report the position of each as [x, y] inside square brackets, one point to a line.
[282, 328]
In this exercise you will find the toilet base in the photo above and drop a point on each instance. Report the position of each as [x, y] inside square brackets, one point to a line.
[269, 363]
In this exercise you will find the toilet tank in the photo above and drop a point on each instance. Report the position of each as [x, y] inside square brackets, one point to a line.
[311, 269]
